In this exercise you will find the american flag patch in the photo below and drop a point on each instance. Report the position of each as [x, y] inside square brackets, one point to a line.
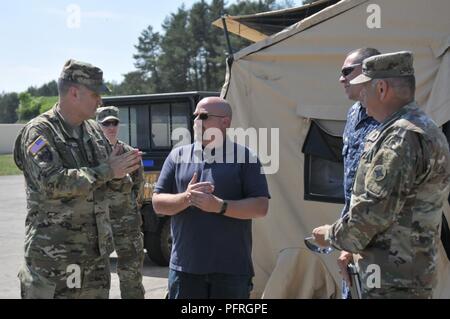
[37, 145]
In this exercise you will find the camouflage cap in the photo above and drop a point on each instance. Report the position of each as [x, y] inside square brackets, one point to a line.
[389, 65]
[85, 74]
[107, 113]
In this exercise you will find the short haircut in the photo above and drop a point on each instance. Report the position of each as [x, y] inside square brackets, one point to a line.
[404, 87]
[363, 53]
[64, 86]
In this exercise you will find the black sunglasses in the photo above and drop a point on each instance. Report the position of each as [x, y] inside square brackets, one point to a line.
[204, 116]
[110, 123]
[349, 69]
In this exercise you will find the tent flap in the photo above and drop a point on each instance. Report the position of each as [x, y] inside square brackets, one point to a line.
[256, 27]
[439, 47]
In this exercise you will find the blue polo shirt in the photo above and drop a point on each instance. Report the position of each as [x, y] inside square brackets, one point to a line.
[358, 126]
[205, 242]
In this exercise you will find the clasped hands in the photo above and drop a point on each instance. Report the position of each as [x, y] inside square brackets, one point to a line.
[200, 195]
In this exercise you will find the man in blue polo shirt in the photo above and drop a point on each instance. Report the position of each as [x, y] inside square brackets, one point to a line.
[212, 190]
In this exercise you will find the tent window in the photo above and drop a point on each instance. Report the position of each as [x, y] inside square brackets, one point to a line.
[324, 170]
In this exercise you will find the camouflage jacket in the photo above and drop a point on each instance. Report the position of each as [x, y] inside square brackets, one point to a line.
[128, 196]
[67, 185]
[397, 200]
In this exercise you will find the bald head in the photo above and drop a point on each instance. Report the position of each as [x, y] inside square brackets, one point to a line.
[215, 105]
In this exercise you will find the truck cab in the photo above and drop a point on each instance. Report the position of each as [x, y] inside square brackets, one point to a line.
[147, 122]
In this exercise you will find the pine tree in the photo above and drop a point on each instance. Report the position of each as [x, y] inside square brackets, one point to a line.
[176, 47]
[9, 102]
[148, 52]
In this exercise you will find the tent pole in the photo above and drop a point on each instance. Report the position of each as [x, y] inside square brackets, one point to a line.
[225, 30]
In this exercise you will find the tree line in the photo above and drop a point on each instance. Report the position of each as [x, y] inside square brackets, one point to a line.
[188, 54]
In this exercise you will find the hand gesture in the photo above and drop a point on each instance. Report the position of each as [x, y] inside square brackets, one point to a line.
[125, 163]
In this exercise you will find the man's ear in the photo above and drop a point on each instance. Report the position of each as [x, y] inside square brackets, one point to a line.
[73, 92]
[382, 88]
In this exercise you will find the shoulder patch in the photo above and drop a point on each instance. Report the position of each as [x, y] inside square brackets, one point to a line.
[37, 145]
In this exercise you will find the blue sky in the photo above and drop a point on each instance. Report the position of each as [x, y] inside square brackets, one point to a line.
[38, 36]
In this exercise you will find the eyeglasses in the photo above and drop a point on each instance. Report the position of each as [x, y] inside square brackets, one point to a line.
[110, 123]
[204, 116]
[349, 69]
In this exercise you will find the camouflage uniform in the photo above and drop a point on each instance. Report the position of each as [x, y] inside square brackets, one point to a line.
[68, 234]
[126, 223]
[396, 205]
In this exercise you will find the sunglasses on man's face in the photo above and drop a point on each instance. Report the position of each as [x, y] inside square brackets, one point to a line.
[204, 116]
[349, 69]
[110, 123]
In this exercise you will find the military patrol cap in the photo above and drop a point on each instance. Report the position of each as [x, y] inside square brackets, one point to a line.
[389, 65]
[107, 113]
[84, 73]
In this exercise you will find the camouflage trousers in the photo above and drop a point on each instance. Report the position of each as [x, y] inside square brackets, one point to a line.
[397, 293]
[129, 246]
[49, 279]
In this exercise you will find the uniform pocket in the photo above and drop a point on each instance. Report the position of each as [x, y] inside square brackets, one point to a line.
[35, 286]
[138, 244]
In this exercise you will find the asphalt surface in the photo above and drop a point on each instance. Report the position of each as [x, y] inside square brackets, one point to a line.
[12, 230]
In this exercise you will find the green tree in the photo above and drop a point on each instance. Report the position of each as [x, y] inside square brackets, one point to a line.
[9, 102]
[176, 56]
[148, 52]
[208, 45]
[46, 103]
[134, 82]
[32, 106]
[190, 53]
[198, 20]
[47, 89]
[28, 107]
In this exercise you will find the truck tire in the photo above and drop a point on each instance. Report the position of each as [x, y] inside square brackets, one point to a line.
[159, 243]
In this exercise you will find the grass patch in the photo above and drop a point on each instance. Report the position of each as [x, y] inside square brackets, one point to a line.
[7, 166]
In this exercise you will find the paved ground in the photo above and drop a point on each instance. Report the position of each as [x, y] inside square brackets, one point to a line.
[12, 221]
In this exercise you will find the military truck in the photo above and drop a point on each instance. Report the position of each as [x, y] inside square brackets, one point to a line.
[147, 123]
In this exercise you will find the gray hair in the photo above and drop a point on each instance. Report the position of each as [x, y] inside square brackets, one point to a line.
[64, 86]
[404, 87]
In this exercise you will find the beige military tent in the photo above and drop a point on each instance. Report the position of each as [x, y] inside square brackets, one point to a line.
[289, 80]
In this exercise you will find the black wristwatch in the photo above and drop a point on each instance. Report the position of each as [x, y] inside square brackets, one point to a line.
[223, 209]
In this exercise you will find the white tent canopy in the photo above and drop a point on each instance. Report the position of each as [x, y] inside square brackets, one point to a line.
[290, 78]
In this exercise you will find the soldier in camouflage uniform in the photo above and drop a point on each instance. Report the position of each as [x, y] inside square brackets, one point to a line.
[125, 215]
[69, 169]
[400, 187]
